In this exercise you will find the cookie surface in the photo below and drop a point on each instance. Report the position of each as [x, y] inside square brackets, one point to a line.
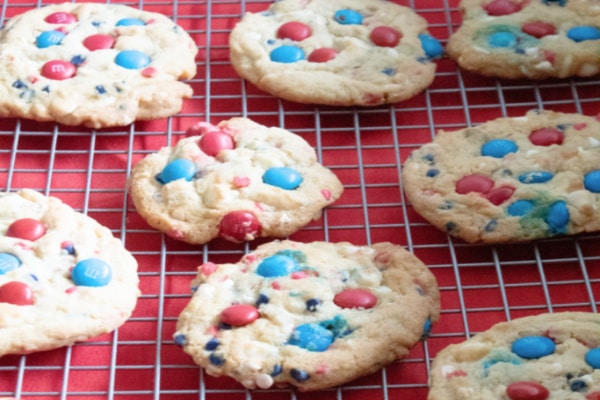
[336, 52]
[312, 315]
[510, 179]
[63, 277]
[238, 180]
[97, 65]
[547, 356]
[533, 39]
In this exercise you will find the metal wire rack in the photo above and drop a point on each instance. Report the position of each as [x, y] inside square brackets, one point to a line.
[365, 147]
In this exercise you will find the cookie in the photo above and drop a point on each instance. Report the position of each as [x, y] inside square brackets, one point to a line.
[534, 39]
[98, 65]
[547, 356]
[238, 180]
[336, 52]
[310, 315]
[63, 277]
[510, 179]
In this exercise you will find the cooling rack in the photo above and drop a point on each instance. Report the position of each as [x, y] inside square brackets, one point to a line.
[365, 147]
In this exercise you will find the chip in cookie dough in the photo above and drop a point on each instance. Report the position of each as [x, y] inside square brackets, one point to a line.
[510, 179]
[238, 180]
[546, 356]
[63, 277]
[336, 52]
[97, 65]
[534, 39]
[310, 315]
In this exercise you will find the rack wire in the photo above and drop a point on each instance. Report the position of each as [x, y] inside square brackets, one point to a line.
[365, 147]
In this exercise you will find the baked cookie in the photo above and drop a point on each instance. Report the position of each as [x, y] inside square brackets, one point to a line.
[532, 39]
[63, 277]
[510, 179]
[336, 52]
[97, 65]
[311, 315]
[547, 356]
[238, 180]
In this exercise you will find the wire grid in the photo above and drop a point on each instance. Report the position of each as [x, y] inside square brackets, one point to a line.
[365, 147]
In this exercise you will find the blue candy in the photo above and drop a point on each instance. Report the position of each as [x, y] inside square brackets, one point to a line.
[502, 40]
[431, 46]
[558, 216]
[582, 33]
[181, 168]
[212, 344]
[130, 22]
[592, 357]
[520, 208]
[536, 177]
[132, 59]
[299, 375]
[533, 347]
[49, 38]
[498, 148]
[591, 181]
[275, 266]
[348, 17]
[312, 337]
[91, 272]
[287, 54]
[8, 262]
[283, 177]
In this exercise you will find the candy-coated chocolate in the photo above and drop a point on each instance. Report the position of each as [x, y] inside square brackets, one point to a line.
[132, 59]
[500, 194]
[536, 177]
[502, 39]
[322, 54]
[546, 136]
[538, 29]
[17, 293]
[8, 262]
[299, 375]
[591, 181]
[130, 22]
[91, 272]
[385, 36]
[212, 344]
[592, 357]
[474, 183]
[313, 305]
[498, 148]
[180, 168]
[27, 229]
[312, 337]
[287, 54]
[49, 38]
[583, 33]
[61, 18]
[592, 396]
[99, 41]
[294, 30]
[348, 17]
[533, 347]
[558, 216]
[431, 46]
[58, 70]
[239, 315]
[283, 177]
[355, 298]
[525, 390]
[238, 226]
[213, 142]
[275, 266]
[502, 7]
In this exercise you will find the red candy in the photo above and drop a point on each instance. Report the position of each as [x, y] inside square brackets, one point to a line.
[355, 298]
[474, 183]
[527, 391]
[502, 7]
[385, 36]
[58, 70]
[61, 18]
[99, 41]
[546, 137]
[17, 293]
[538, 29]
[239, 315]
[593, 396]
[238, 226]
[322, 54]
[26, 228]
[294, 30]
[499, 195]
[213, 142]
